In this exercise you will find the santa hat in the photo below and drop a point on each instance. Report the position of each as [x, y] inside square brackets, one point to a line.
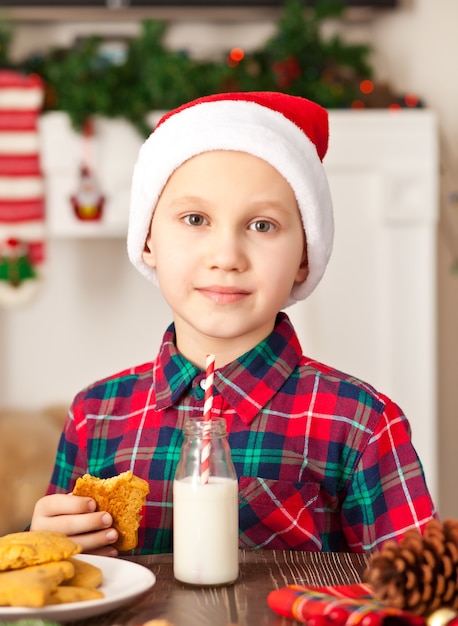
[289, 132]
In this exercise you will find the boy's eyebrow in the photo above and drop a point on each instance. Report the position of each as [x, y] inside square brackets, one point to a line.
[274, 204]
[191, 200]
[186, 200]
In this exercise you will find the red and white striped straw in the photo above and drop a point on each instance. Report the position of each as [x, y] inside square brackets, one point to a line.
[208, 403]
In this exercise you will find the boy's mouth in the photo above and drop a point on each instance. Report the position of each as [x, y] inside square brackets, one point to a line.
[223, 295]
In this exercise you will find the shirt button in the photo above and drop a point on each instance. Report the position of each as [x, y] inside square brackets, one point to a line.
[203, 384]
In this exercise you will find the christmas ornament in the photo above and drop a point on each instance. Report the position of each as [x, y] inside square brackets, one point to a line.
[15, 264]
[420, 573]
[22, 203]
[88, 200]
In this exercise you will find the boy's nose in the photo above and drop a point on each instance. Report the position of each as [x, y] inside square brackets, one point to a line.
[227, 252]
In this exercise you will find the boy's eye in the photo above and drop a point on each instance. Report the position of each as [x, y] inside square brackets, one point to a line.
[195, 219]
[262, 226]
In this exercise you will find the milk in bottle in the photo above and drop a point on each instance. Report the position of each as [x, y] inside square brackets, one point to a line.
[205, 511]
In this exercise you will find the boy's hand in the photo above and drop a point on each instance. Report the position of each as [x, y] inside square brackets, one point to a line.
[76, 517]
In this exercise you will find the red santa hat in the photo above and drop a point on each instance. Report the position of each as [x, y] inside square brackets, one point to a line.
[288, 132]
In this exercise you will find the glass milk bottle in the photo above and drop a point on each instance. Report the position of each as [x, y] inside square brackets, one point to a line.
[205, 508]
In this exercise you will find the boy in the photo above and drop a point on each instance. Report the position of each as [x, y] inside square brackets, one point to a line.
[231, 216]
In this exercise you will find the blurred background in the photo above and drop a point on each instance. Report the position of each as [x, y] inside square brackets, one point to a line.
[81, 86]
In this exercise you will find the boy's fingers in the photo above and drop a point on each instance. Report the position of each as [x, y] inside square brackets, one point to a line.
[75, 516]
[95, 541]
[72, 525]
[64, 504]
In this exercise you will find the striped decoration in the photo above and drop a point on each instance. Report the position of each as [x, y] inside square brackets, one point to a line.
[22, 192]
[208, 404]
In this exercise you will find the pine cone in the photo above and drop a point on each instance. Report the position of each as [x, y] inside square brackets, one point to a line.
[420, 572]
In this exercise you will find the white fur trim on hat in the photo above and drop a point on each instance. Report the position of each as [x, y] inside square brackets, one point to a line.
[243, 126]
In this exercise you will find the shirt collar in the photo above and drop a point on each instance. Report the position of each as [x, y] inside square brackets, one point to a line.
[246, 384]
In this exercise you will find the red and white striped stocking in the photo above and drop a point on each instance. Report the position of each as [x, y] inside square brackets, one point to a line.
[22, 198]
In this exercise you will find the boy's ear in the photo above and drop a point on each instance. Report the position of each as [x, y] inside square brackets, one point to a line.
[148, 254]
[303, 270]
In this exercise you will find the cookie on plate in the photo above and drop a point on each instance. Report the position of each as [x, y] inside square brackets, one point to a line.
[86, 575]
[32, 586]
[64, 594]
[24, 549]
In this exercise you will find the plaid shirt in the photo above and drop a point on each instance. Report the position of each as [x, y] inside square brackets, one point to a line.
[324, 462]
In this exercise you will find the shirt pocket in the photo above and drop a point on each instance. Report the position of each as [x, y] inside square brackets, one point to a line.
[278, 515]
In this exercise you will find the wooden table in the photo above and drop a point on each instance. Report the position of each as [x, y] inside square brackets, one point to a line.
[242, 604]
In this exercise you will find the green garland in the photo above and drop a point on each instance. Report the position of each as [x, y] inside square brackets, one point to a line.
[298, 60]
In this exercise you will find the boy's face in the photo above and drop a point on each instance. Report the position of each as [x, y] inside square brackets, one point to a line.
[227, 243]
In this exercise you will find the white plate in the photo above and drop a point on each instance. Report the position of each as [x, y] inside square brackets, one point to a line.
[123, 581]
